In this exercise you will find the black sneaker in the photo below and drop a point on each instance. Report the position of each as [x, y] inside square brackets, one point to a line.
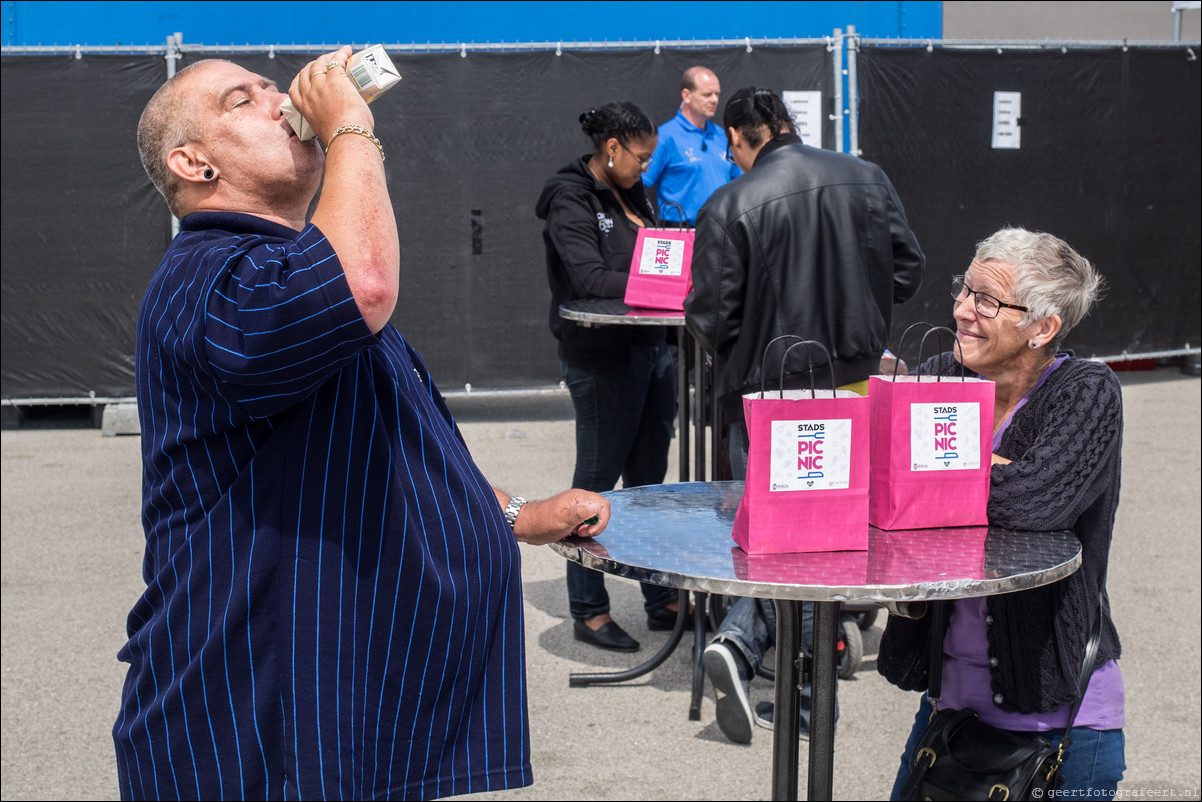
[765, 714]
[734, 708]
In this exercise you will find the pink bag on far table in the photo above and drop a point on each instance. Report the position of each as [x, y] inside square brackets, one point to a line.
[932, 441]
[807, 470]
[660, 272]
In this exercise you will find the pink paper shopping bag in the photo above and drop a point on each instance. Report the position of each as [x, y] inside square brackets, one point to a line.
[807, 473]
[932, 440]
[660, 275]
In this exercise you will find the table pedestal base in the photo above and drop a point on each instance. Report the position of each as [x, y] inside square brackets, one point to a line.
[581, 680]
[787, 716]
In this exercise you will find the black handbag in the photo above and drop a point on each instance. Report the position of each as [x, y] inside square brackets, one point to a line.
[961, 757]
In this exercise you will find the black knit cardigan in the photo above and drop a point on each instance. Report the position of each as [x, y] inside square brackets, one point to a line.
[1065, 449]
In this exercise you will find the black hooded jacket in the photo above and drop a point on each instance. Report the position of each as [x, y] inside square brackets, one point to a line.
[590, 242]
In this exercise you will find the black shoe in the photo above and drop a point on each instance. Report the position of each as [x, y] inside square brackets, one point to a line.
[664, 620]
[765, 714]
[734, 708]
[611, 636]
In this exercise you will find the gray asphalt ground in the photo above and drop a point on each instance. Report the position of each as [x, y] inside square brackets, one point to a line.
[72, 553]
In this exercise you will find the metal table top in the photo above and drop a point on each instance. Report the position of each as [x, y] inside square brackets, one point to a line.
[680, 536]
[615, 312]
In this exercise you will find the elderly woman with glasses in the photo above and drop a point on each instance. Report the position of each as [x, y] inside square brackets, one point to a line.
[1015, 659]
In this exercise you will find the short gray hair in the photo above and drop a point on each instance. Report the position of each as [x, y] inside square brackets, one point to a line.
[170, 120]
[1050, 278]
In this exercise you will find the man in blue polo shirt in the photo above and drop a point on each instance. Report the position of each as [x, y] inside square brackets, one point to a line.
[690, 160]
[333, 605]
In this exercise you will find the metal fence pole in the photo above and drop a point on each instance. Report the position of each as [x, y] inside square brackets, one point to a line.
[836, 51]
[853, 92]
[172, 56]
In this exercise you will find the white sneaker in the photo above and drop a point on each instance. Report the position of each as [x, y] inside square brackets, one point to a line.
[734, 708]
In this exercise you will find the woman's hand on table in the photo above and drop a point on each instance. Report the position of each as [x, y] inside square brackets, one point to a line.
[569, 513]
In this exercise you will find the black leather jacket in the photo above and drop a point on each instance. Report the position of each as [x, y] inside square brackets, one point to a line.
[808, 242]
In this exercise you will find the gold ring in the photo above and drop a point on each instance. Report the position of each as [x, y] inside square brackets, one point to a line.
[316, 73]
[331, 64]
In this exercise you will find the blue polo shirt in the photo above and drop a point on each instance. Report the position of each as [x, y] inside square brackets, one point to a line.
[333, 603]
[688, 165]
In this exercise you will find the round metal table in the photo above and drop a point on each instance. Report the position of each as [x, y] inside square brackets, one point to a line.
[613, 312]
[680, 536]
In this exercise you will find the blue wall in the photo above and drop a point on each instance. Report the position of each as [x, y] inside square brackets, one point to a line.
[222, 23]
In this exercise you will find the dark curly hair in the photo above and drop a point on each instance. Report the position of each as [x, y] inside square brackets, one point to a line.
[620, 120]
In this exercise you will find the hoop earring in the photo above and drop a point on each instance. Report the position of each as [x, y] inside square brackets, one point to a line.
[208, 174]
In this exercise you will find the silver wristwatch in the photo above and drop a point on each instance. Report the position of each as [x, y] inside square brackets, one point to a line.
[514, 507]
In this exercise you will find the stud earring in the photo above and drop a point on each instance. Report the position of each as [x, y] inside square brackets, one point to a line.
[208, 174]
[1034, 344]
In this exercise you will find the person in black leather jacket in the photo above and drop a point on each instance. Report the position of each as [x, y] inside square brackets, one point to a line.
[807, 242]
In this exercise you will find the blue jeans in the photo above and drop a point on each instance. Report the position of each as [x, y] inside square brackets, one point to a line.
[625, 418]
[1094, 762]
[750, 627]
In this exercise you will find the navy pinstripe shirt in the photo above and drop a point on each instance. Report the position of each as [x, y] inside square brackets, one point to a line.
[333, 602]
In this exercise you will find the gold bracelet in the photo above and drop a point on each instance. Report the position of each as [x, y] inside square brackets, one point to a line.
[361, 131]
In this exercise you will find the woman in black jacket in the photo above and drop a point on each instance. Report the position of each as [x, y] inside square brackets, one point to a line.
[621, 378]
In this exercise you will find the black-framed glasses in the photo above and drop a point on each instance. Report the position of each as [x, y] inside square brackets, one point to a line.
[643, 163]
[986, 304]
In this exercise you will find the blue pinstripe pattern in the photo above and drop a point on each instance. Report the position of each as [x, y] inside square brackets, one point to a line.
[333, 600]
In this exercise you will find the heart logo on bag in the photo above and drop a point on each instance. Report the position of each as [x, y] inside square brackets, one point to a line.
[947, 463]
[810, 483]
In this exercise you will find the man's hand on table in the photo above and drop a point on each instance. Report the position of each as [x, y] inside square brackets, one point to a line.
[568, 513]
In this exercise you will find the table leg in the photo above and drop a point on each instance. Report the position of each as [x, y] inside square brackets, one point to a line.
[700, 614]
[785, 761]
[701, 394]
[787, 714]
[684, 356]
[717, 430]
[822, 701]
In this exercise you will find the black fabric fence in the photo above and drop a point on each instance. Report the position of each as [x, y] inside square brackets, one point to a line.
[1109, 161]
[470, 141]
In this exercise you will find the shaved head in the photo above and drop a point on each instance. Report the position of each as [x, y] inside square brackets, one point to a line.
[171, 119]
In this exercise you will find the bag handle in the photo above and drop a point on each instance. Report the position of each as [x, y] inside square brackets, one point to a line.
[810, 355]
[922, 347]
[901, 343]
[764, 356]
[797, 340]
[659, 221]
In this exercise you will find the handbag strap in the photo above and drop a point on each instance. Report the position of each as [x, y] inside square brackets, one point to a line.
[939, 615]
[1091, 654]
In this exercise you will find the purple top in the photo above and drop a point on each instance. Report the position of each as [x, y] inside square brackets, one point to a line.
[966, 679]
